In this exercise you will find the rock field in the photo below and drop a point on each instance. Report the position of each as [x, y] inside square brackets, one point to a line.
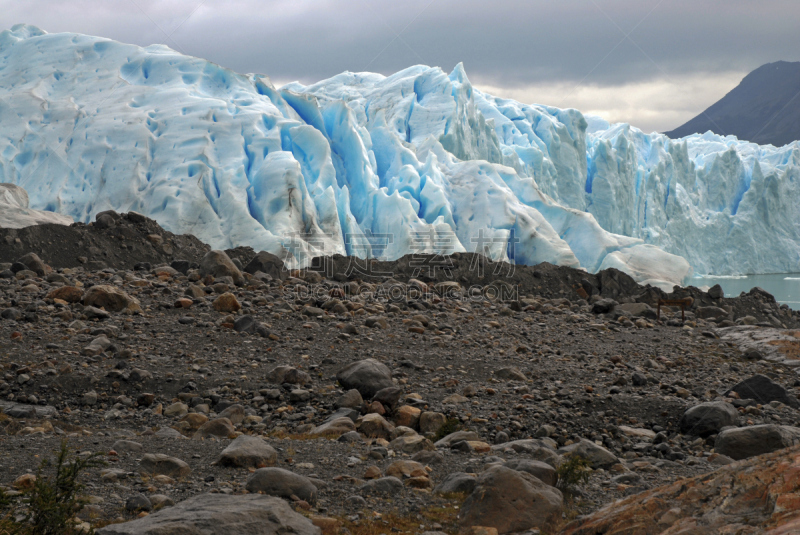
[224, 390]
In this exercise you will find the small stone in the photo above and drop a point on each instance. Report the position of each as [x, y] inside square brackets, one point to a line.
[158, 463]
[226, 303]
[138, 502]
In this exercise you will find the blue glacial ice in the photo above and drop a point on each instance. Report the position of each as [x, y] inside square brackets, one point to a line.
[88, 124]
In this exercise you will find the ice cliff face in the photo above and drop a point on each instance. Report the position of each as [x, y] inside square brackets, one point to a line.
[15, 211]
[359, 164]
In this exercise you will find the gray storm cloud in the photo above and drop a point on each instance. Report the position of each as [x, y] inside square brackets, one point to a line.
[623, 59]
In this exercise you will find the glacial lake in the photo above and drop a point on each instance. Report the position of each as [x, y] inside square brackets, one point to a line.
[784, 286]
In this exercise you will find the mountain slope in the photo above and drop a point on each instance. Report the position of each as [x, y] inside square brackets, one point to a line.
[764, 108]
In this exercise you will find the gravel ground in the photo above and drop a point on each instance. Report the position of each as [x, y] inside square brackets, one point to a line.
[618, 379]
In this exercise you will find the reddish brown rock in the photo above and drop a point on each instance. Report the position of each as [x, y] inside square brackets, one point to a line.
[226, 302]
[110, 298]
[70, 294]
[759, 495]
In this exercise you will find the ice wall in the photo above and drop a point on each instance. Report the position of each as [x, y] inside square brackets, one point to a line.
[359, 164]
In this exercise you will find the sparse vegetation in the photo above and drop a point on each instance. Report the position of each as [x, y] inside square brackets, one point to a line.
[451, 425]
[50, 506]
[573, 472]
[445, 515]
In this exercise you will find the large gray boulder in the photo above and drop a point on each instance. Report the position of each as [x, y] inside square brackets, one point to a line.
[708, 418]
[248, 452]
[282, 483]
[511, 501]
[763, 389]
[267, 263]
[456, 483]
[458, 436]
[160, 464]
[33, 263]
[220, 514]
[743, 442]
[217, 264]
[367, 376]
[537, 449]
[597, 455]
[540, 470]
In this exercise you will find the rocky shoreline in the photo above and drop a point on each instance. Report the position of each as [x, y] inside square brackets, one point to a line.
[356, 391]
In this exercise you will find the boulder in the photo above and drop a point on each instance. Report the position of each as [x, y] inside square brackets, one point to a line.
[176, 410]
[248, 452]
[219, 427]
[96, 346]
[33, 263]
[267, 263]
[336, 427]
[510, 374]
[245, 324]
[367, 376]
[744, 442]
[604, 306]
[220, 514]
[457, 483]
[351, 399]
[110, 298]
[757, 495]
[431, 422]
[511, 501]
[375, 426]
[715, 292]
[127, 446]
[288, 374]
[597, 455]
[458, 436]
[160, 464]
[282, 483]
[234, 413]
[763, 389]
[708, 418]
[542, 471]
[407, 416]
[712, 313]
[388, 396]
[217, 264]
[70, 294]
[411, 444]
[226, 303]
[404, 468]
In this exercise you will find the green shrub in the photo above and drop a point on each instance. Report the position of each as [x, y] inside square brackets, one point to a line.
[53, 501]
[451, 425]
[573, 472]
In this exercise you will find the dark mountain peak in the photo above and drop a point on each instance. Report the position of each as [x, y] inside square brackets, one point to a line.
[764, 108]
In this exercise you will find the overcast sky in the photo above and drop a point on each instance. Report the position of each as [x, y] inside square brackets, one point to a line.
[653, 63]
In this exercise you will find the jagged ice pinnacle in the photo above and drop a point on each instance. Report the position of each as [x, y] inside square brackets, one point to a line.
[89, 124]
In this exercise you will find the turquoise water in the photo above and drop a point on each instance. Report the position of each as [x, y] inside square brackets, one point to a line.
[784, 286]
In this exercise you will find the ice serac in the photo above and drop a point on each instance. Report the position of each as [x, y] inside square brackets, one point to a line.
[369, 165]
[15, 211]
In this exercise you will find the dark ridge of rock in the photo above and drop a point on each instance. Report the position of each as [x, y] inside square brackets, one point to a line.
[134, 240]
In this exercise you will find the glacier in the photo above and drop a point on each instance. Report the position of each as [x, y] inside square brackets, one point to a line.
[15, 211]
[374, 166]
